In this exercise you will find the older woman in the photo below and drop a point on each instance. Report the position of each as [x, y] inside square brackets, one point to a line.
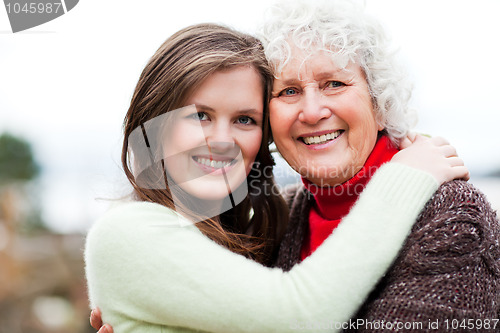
[338, 110]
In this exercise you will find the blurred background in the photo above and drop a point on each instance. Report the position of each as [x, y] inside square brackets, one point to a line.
[65, 87]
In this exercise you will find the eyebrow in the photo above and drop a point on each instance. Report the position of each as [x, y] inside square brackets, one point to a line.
[203, 107]
[243, 111]
[249, 111]
[287, 82]
[320, 76]
[326, 75]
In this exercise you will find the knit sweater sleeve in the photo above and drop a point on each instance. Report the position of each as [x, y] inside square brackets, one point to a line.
[447, 276]
[150, 273]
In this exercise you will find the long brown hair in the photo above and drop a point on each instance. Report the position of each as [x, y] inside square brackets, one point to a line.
[254, 227]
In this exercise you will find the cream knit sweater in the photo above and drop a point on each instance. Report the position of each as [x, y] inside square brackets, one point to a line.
[149, 270]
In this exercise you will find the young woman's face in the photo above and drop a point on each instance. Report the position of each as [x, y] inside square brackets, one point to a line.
[211, 144]
[322, 118]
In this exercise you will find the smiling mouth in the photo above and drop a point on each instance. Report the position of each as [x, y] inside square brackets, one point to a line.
[213, 163]
[321, 139]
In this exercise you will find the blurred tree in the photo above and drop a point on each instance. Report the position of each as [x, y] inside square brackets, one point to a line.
[42, 285]
[17, 210]
[16, 160]
[18, 169]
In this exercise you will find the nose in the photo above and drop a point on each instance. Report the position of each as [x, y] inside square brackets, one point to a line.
[312, 107]
[220, 138]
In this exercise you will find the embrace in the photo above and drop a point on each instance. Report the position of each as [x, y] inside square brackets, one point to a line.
[383, 227]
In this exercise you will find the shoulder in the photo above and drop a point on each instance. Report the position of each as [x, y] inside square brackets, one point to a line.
[456, 228]
[294, 194]
[135, 208]
[460, 193]
[459, 202]
[297, 199]
[134, 221]
[290, 191]
[124, 214]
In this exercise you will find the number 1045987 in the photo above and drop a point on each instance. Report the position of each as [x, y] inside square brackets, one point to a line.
[34, 7]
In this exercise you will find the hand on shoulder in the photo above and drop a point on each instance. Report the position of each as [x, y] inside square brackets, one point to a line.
[433, 155]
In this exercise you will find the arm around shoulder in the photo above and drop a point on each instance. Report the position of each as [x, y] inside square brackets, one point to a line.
[144, 271]
[448, 270]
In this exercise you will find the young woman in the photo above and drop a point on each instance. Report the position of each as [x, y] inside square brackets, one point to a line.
[196, 152]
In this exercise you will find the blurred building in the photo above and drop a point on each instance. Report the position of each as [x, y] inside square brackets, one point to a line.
[42, 280]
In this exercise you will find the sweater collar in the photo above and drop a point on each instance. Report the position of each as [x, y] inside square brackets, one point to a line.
[333, 203]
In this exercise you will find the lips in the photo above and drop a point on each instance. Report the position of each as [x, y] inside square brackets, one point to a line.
[320, 138]
[215, 165]
[210, 162]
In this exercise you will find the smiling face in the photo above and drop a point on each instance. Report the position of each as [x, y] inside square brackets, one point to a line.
[322, 118]
[210, 147]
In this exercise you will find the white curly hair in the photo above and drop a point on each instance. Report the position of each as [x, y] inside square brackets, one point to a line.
[344, 29]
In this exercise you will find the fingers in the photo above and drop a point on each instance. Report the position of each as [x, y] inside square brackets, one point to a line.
[448, 151]
[439, 141]
[405, 143]
[409, 139]
[95, 319]
[411, 136]
[106, 329]
[414, 138]
[455, 161]
[461, 172]
[434, 155]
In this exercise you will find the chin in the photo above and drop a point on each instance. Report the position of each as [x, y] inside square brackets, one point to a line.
[204, 192]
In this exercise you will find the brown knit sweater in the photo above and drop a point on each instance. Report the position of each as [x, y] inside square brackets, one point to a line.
[446, 277]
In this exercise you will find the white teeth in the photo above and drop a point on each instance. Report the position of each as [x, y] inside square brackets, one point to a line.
[212, 163]
[321, 139]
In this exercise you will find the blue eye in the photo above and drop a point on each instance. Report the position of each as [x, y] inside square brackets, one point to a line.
[245, 120]
[288, 92]
[335, 84]
[201, 116]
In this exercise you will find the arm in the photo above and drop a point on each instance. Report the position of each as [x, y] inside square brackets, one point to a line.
[449, 270]
[192, 282]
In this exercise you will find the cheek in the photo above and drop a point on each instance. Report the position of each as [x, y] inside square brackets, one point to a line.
[363, 140]
[250, 145]
[257, 140]
[362, 120]
[281, 120]
[184, 134]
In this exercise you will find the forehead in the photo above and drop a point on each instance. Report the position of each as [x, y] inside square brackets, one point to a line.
[318, 65]
[232, 78]
[238, 88]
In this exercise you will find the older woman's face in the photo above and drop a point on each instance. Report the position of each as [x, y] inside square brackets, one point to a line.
[322, 118]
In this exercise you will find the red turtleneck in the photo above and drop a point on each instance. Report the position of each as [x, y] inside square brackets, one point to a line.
[331, 204]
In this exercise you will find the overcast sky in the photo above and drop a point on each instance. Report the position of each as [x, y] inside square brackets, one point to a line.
[66, 85]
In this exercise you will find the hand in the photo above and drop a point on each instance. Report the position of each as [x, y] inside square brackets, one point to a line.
[433, 155]
[96, 322]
